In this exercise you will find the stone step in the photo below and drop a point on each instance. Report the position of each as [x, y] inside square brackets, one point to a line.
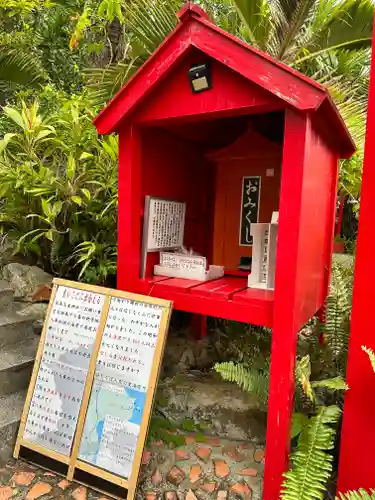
[16, 364]
[6, 294]
[11, 407]
[15, 327]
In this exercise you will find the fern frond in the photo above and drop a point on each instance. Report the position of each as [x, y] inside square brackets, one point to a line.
[311, 464]
[20, 67]
[334, 384]
[249, 379]
[335, 329]
[371, 355]
[357, 495]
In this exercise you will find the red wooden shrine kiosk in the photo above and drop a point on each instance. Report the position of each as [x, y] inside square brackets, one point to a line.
[257, 117]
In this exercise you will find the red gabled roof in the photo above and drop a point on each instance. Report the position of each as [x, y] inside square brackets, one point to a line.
[196, 30]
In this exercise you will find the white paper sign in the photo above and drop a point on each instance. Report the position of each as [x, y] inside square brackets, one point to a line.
[70, 337]
[120, 385]
[180, 261]
[165, 221]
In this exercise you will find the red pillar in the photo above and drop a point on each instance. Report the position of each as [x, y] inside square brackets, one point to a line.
[357, 451]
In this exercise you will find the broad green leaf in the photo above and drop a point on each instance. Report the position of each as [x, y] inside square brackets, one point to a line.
[335, 384]
[85, 156]
[43, 133]
[71, 167]
[57, 206]
[15, 116]
[77, 199]
[46, 207]
[49, 235]
[86, 192]
[298, 421]
[5, 141]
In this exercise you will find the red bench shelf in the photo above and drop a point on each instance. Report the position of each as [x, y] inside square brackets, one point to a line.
[226, 297]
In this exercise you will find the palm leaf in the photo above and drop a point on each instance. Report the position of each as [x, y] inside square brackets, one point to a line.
[256, 16]
[148, 22]
[19, 67]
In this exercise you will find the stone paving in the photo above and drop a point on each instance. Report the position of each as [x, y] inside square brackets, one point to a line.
[22, 481]
[203, 468]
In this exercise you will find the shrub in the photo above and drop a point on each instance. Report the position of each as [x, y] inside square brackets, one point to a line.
[59, 189]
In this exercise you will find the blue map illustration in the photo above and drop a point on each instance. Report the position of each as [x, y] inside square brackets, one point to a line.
[113, 418]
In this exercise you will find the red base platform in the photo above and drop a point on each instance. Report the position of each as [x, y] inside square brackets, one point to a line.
[227, 298]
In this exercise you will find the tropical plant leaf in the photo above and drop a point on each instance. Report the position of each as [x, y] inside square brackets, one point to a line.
[303, 373]
[249, 379]
[20, 67]
[312, 462]
[357, 495]
[371, 356]
[335, 384]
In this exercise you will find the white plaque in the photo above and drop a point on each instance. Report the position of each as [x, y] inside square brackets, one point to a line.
[182, 261]
[121, 381]
[70, 338]
[164, 224]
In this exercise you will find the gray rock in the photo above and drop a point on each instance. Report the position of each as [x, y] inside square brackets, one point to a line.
[6, 294]
[24, 280]
[10, 414]
[206, 398]
[184, 353]
[16, 364]
[36, 311]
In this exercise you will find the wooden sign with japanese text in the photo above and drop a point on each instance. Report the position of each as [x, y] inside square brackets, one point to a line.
[249, 208]
[164, 224]
[91, 392]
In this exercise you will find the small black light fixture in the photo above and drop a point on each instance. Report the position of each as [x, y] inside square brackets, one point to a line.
[200, 77]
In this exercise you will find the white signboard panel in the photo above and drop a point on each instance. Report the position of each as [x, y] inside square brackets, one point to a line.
[264, 254]
[180, 261]
[91, 391]
[121, 381]
[56, 401]
[164, 224]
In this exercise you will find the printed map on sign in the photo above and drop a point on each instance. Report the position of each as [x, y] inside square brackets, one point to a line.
[118, 397]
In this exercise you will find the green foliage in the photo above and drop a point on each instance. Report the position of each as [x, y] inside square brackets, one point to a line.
[327, 40]
[172, 433]
[249, 346]
[335, 328]
[371, 356]
[59, 190]
[326, 343]
[357, 495]
[249, 379]
[311, 462]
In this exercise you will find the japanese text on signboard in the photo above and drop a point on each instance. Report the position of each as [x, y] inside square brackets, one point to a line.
[249, 208]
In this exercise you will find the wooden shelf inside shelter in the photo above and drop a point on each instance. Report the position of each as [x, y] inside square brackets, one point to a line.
[228, 295]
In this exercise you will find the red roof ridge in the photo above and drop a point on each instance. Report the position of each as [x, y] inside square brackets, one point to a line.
[188, 29]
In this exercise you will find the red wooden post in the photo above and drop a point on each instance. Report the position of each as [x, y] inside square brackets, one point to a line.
[306, 227]
[284, 333]
[356, 466]
[129, 226]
